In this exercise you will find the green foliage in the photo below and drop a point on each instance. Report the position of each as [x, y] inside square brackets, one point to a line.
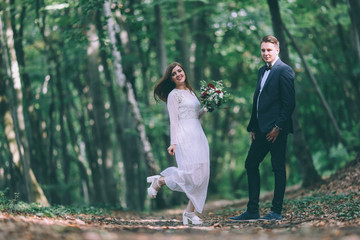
[6, 203]
[339, 207]
[328, 163]
[332, 206]
[231, 32]
[15, 206]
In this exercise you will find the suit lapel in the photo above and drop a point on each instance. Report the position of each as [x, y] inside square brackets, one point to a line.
[262, 71]
[272, 71]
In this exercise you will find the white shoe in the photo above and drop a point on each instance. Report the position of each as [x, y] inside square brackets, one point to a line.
[192, 217]
[152, 192]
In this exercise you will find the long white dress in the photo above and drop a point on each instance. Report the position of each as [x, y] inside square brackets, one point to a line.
[192, 148]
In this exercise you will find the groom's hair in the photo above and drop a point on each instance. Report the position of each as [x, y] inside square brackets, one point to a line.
[270, 39]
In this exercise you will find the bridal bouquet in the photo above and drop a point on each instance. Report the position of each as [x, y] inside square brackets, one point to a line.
[213, 94]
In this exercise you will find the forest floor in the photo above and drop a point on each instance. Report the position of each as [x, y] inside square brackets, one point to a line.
[330, 210]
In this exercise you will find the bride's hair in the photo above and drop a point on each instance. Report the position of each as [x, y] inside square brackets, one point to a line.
[166, 85]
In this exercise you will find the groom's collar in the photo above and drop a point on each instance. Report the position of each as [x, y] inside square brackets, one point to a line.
[273, 63]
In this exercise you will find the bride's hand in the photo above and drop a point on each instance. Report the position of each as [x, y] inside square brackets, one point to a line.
[171, 149]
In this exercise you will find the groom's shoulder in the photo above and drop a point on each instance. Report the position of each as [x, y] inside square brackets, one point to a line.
[283, 64]
[285, 67]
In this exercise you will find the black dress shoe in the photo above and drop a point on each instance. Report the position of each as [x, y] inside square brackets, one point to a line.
[272, 216]
[246, 216]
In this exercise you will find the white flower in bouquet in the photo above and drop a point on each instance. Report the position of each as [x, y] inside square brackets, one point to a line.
[213, 94]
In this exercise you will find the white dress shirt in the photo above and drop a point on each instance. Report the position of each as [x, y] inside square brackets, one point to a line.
[263, 81]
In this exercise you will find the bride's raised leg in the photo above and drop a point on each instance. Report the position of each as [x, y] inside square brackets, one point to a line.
[157, 182]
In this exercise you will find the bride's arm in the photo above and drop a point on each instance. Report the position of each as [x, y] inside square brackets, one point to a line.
[202, 111]
[173, 109]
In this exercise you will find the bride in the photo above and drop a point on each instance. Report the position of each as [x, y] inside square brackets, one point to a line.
[187, 142]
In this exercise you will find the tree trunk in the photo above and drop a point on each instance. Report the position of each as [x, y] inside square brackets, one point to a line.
[128, 143]
[113, 30]
[183, 41]
[101, 126]
[127, 29]
[37, 194]
[301, 151]
[36, 143]
[351, 97]
[14, 180]
[52, 177]
[355, 22]
[22, 152]
[317, 88]
[123, 39]
[76, 145]
[160, 43]
[162, 62]
[121, 81]
[64, 139]
[52, 56]
[90, 151]
[202, 42]
[16, 132]
[33, 191]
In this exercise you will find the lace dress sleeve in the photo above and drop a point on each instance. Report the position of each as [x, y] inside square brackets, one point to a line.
[173, 109]
[202, 111]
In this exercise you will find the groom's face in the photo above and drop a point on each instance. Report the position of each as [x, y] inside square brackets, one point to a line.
[269, 52]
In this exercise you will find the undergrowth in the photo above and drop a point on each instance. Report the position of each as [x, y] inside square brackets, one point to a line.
[343, 207]
[14, 206]
[340, 207]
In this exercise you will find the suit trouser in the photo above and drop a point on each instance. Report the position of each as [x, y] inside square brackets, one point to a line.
[259, 148]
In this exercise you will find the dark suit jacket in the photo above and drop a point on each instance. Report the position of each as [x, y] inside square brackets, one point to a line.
[276, 102]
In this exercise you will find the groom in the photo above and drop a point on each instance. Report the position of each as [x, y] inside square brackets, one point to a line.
[270, 123]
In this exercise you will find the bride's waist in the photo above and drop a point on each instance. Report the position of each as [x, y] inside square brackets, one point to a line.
[189, 118]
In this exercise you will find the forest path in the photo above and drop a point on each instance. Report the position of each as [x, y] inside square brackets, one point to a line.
[328, 211]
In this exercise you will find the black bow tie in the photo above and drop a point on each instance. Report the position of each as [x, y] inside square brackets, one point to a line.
[267, 67]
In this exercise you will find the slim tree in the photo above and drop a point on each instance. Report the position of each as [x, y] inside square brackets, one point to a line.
[183, 40]
[101, 127]
[56, 82]
[36, 143]
[301, 150]
[317, 87]
[202, 41]
[355, 22]
[113, 29]
[160, 43]
[14, 125]
[20, 150]
[121, 80]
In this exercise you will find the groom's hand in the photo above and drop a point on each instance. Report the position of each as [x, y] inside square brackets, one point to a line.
[252, 136]
[272, 135]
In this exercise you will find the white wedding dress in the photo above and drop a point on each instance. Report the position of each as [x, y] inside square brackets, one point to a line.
[192, 148]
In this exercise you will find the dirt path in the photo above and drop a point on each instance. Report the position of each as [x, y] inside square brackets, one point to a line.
[331, 211]
[134, 226]
[167, 225]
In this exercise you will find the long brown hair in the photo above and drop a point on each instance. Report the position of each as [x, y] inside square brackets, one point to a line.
[166, 85]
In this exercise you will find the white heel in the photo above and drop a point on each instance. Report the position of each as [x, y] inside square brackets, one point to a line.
[152, 192]
[195, 220]
[185, 220]
[152, 178]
